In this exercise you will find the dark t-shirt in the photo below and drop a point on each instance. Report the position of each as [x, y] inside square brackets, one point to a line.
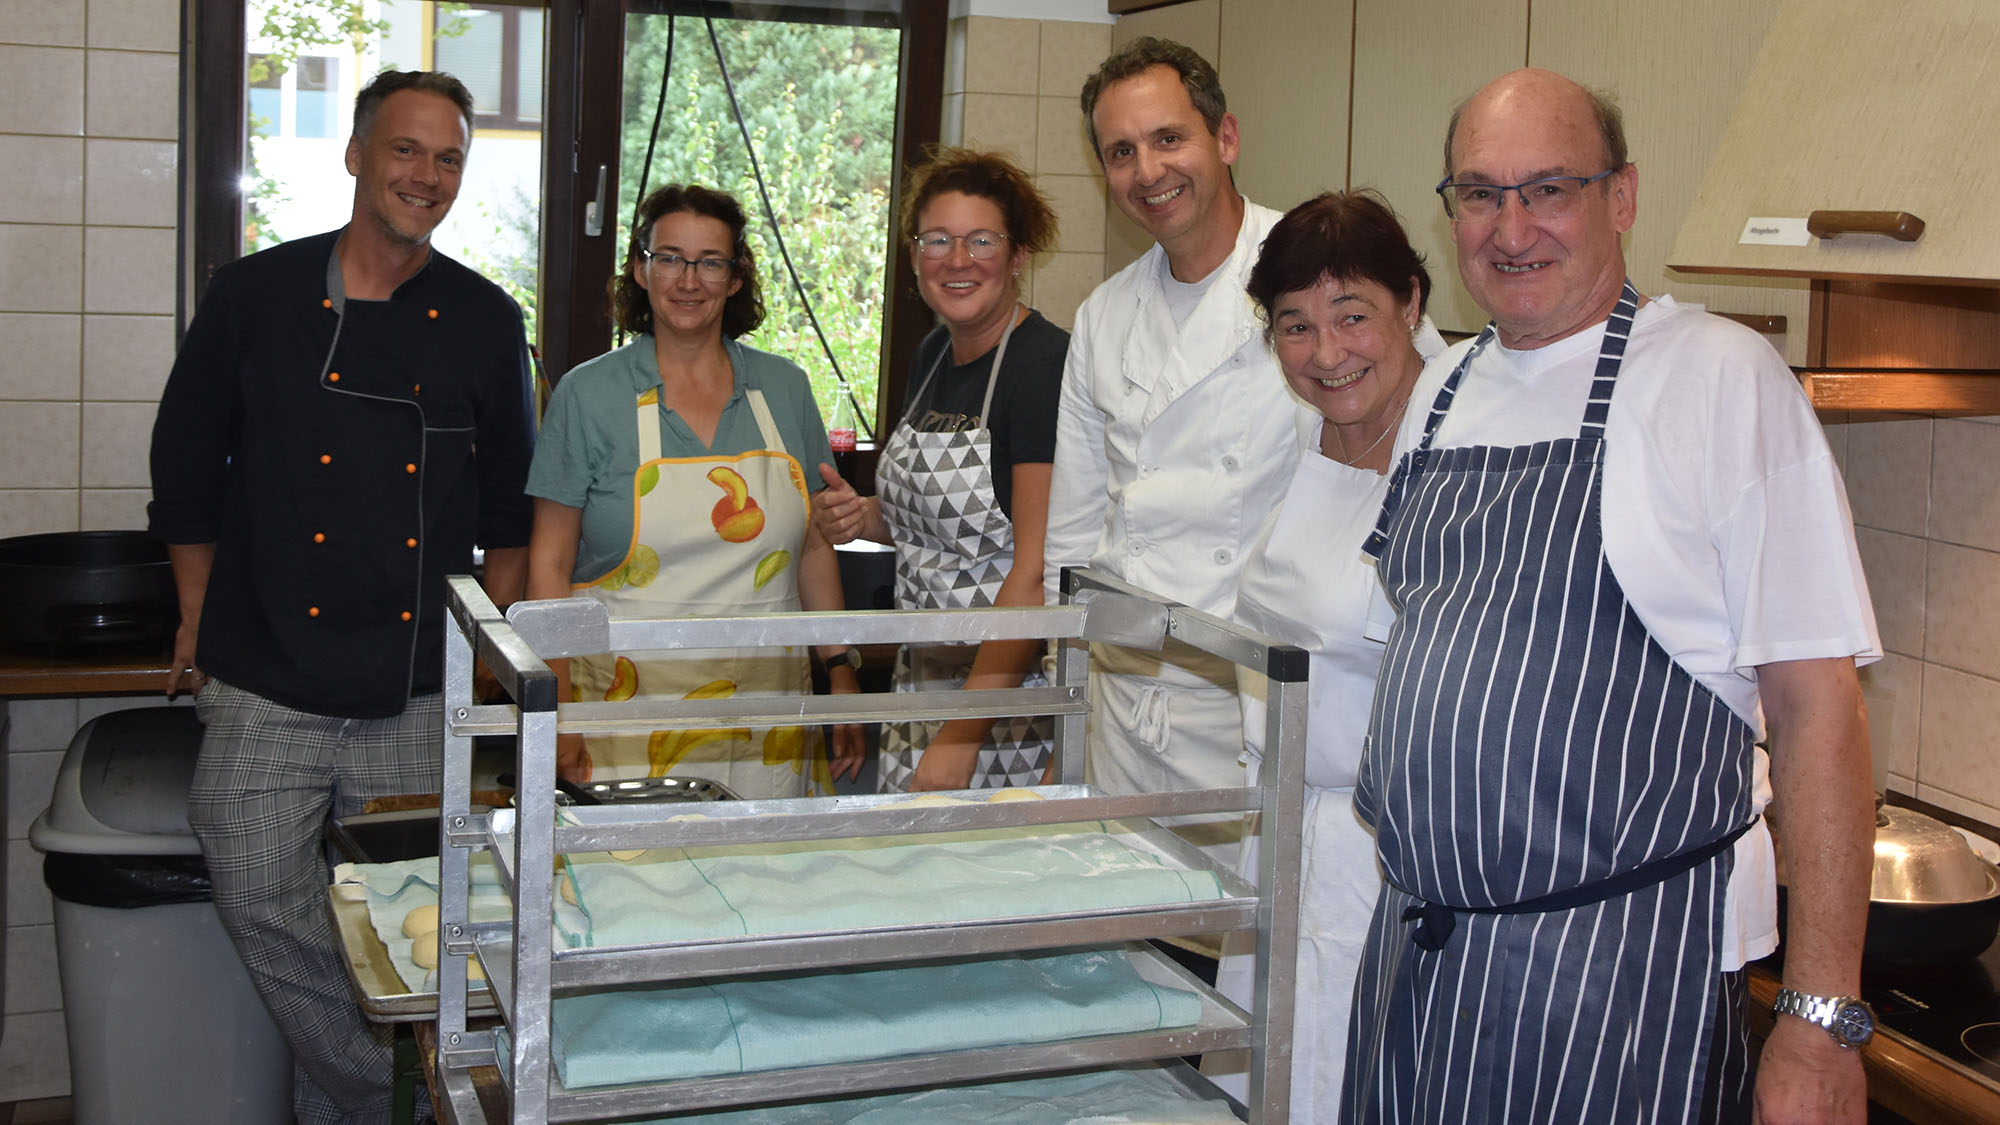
[1024, 402]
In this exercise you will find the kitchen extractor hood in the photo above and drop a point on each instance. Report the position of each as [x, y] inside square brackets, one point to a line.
[1881, 119]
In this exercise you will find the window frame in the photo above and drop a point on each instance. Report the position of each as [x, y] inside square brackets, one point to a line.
[583, 41]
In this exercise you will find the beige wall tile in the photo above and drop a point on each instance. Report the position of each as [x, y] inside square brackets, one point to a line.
[1961, 712]
[1895, 565]
[53, 282]
[1952, 802]
[1124, 241]
[34, 1057]
[42, 352]
[1965, 483]
[41, 179]
[1893, 688]
[1836, 440]
[129, 270]
[131, 183]
[116, 436]
[1005, 122]
[134, 94]
[32, 511]
[138, 25]
[27, 897]
[1889, 474]
[50, 23]
[1002, 56]
[44, 88]
[41, 724]
[1064, 145]
[31, 774]
[115, 509]
[34, 983]
[1062, 281]
[1964, 585]
[126, 358]
[1078, 202]
[1071, 53]
[91, 707]
[38, 444]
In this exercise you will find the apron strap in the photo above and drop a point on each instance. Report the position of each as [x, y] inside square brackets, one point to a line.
[1436, 921]
[774, 440]
[992, 374]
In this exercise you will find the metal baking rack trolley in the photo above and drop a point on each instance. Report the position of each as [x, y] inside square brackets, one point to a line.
[525, 964]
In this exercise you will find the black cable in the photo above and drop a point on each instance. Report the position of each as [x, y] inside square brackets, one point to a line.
[861, 416]
[653, 136]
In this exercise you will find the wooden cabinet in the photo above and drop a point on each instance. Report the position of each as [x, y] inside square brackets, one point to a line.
[1414, 60]
[1289, 60]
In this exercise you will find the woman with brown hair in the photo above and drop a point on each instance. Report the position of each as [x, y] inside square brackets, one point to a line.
[962, 488]
[668, 481]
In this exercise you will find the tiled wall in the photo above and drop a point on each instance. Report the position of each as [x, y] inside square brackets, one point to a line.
[1012, 85]
[89, 97]
[1926, 501]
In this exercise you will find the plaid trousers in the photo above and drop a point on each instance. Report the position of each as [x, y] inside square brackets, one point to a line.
[266, 782]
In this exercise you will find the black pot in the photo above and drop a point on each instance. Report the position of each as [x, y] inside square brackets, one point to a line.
[1910, 935]
[86, 588]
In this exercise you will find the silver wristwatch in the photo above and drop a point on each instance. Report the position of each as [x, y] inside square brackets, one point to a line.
[1848, 1019]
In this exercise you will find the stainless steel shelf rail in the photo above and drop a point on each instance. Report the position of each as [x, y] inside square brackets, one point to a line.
[525, 967]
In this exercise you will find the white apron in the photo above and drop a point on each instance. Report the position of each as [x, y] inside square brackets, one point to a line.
[711, 536]
[954, 547]
[1307, 583]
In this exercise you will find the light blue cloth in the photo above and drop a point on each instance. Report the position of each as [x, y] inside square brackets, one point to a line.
[1110, 1097]
[682, 894]
[733, 1025]
[395, 889]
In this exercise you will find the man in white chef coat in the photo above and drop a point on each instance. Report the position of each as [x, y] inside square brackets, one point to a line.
[1175, 433]
[1619, 554]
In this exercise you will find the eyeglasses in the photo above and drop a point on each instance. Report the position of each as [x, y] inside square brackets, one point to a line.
[1548, 198]
[710, 270]
[979, 245]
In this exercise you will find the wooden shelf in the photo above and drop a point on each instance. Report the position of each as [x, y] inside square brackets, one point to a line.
[113, 671]
[1941, 394]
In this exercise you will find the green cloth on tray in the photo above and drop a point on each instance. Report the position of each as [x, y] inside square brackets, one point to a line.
[732, 1025]
[683, 894]
[1124, 1096]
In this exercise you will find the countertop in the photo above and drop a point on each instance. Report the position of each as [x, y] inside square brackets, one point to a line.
[119, 670]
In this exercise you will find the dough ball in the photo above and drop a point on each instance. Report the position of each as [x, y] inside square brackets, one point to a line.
[424, 950]
[567, 889]
[422, 919]
[1010, 794]
[931, 799]
[473, 970]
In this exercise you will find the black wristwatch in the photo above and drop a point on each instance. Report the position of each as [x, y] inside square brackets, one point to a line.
[1848, 1019]
[849, 656]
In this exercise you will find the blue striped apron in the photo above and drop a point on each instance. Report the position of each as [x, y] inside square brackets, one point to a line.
[1553, 798]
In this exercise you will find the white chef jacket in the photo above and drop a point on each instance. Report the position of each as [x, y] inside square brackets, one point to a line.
[1173, 440]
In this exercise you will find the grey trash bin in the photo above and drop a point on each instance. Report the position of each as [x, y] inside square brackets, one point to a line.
[164, 1026]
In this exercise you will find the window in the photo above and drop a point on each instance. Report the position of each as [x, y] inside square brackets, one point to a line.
[497, 53]
[564, 93]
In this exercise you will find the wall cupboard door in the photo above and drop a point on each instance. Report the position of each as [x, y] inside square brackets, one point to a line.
[1414, 60]
[1676, 71]
[1289, 59]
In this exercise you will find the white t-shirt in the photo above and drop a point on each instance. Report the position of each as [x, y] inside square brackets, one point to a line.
[1725, 519]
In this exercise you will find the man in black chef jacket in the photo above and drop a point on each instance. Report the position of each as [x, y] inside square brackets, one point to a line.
[1618, 554]
[348, 416]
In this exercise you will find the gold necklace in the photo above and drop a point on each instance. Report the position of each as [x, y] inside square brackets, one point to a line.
[1394, 424]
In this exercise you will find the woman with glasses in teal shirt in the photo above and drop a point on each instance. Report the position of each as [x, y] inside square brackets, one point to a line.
[670, 480]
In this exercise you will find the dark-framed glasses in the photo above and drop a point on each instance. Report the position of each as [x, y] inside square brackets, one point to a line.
[1550, 197]
[711, 270]
[979, 245]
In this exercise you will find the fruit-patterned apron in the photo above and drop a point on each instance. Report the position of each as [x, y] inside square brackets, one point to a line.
[711, 536]
[954, 546]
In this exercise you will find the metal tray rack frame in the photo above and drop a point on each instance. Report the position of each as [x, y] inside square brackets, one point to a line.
[524, 974]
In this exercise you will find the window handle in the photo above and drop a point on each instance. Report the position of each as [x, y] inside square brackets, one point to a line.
[593, 212]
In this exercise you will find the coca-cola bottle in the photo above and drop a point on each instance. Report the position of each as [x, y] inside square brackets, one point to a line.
[840, 435]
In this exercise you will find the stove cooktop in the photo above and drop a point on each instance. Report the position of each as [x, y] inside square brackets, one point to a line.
[1953, 1010]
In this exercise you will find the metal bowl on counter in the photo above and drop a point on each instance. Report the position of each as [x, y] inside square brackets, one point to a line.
[1932, 899]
